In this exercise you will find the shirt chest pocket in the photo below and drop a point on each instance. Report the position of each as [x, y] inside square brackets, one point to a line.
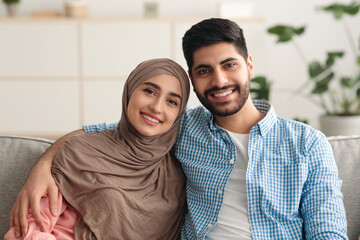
[280, 187]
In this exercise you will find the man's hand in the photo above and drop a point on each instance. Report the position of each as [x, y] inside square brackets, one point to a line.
[40, 183]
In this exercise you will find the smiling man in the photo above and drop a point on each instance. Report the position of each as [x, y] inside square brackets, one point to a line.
[250, 174]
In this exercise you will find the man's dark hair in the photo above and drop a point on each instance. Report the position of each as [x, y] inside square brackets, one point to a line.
[212, 31]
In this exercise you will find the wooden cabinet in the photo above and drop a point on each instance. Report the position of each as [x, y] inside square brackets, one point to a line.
[58, 74]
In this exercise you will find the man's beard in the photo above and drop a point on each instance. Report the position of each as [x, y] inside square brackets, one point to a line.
[220, 109]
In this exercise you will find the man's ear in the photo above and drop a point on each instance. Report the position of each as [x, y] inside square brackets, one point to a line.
[250, 65]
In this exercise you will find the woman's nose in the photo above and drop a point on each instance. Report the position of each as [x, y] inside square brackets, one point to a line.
[155, 106]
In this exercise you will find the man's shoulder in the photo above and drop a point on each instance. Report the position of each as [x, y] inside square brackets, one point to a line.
[197, 115]
[196, 110]
[294, 127]
[302, 134]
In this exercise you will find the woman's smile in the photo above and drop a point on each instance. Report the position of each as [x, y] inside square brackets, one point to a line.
[151, 119]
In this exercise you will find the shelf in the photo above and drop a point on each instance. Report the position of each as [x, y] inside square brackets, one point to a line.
[85, 20]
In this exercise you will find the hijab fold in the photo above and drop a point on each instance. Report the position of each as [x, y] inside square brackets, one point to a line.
[124, 185]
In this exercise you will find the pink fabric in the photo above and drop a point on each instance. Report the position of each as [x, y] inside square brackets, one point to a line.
[61, 227]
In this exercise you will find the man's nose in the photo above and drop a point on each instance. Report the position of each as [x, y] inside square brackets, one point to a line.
[219, 78]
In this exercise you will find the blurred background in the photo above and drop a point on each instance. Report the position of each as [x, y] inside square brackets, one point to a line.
[63, 63]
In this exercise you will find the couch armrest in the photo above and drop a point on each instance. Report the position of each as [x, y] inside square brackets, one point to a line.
[17, 155]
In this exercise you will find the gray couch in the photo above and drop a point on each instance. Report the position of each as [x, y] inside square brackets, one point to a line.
[18, 154]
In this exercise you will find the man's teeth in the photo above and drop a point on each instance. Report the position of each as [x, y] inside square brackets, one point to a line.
[150, 118]
[223, 94]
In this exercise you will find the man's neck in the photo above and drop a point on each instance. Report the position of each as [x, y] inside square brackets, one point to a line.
[242, 121]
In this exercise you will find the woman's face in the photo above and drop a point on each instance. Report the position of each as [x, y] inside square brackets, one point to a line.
[155, 104]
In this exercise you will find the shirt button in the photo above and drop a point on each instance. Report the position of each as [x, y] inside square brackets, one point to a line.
[209, 225]
[219, 192]
[223, 134]
[232, 161]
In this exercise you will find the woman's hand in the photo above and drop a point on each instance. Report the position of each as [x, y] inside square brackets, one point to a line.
[40, 183]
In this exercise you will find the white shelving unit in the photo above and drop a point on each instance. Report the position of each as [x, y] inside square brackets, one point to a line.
[57, 74]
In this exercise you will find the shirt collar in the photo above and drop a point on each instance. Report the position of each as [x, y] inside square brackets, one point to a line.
[266, 124]
[263, 126]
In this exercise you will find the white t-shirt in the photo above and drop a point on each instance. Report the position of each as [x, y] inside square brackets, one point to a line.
[233, 220]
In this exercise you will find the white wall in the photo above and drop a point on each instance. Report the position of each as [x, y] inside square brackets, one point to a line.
[285, 68]
[279, 63]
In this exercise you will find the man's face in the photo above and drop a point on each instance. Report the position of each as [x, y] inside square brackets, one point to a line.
[221, 78]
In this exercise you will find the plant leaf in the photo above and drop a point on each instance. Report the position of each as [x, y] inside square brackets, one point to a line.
[315, 69]
[300, 30]
[338, 10]
[260, 88]
[346, 82]
[322, 85]
[358, 93]
[332, 56]
[352, 9]
[319, 89]
[285, 33]
[11, 1]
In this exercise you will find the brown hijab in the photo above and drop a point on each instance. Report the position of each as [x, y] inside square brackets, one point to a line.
[124, 185]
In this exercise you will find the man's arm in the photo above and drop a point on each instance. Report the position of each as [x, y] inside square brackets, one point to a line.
[322, 205]
[38, 184]
[41, 183]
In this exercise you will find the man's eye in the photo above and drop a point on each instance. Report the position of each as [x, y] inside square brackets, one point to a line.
[203, 71]
[228, 65]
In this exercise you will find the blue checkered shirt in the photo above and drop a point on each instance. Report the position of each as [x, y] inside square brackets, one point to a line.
[292, 180]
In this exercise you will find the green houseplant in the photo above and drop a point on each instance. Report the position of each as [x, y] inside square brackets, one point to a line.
[11, 1]
[11, 6]
[336, 93]
[260, 88]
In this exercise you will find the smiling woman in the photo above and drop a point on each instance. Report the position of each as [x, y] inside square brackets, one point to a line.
[119, 180]
[155, 104]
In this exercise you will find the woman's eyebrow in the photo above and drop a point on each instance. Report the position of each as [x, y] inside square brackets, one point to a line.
[175, 95]
[152, 85]
[159, 88]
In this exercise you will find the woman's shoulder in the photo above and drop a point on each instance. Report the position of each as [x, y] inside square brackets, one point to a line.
[90, 137]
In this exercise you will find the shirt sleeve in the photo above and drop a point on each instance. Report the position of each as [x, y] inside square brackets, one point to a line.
[322, 206]
[99, 127]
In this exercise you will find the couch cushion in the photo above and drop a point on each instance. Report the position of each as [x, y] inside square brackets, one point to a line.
[17, 155]
[347, 156]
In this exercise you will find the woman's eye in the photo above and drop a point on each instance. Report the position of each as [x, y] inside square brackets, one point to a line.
[173, 102]
[149, 91]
